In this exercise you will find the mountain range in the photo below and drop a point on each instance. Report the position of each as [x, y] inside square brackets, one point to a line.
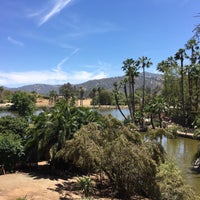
[152, 81]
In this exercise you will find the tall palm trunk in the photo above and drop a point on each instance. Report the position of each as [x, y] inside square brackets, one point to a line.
[143, 94]
[182, 87]
[132, 97]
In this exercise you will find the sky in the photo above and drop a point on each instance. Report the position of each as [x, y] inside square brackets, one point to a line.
[61, 41]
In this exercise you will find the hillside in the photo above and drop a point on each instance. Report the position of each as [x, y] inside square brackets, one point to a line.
[152, 81]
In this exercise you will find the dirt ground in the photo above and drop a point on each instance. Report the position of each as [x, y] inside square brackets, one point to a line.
[37, 187]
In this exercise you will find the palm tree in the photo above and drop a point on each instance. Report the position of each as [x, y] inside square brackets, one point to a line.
[52, 96]
[130, 67]
[193, 46]
[81, 91]
[197, 83]
[52, 128]
[144, 62]
[181, 55]
[1, 91]
[168, 67]
[157, 106]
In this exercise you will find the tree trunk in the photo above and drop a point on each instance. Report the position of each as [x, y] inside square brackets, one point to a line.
[182, 89]
[152, 124]
[118, 106]
[143, 94]
[132, 96]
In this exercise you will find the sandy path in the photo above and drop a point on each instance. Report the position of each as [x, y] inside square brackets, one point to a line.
[13, 186]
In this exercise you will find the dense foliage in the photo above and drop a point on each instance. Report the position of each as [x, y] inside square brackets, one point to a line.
[23, 103]
[52, 128]
[11, 150]
[12, 140]
[132, 164]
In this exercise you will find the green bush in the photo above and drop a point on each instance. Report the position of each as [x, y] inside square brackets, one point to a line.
[11, 150]
[171, 184]
[119, 152]
[85, 183]
[134, 164]
[14, 125]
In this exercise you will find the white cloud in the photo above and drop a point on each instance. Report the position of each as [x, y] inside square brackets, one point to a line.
[15, 42]
[16, 79]
[57, 7]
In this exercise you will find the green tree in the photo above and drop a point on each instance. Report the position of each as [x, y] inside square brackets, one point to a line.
[52, 128]
[14, 125]
[1, 92]
[11, 150]
[23, 103]
[52, 96]
[105, 97]
[159, 107]
[144, 62]
[81, 95]
[68, 91]
[130, 67]
[169, 69]
[191, 45]
[181, 55]
[93, 95]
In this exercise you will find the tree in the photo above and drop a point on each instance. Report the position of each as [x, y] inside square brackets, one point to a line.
[157, 106]
[171, 87]
[52, 96]
[23, 103]
[14, 125]
[105, 97]
[11, 150]
[81, 95]
[180, 55]
[52, 128]
[130, 67]
[93, 95]
[191, 45]
[134, 166]
[143, 62]
[1, 91]
[68, 91]
[116, 95]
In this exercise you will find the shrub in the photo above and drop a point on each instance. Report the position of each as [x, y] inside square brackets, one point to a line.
[11, 150]
[171, 183]
[85, 183]
[116, 150]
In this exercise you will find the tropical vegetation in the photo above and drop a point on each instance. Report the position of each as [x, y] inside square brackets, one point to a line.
[127, 153]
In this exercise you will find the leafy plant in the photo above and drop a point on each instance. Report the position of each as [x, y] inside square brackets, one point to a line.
[85, 183]
[23, 103]
[171, 184]
[22, 198]
[11, 150]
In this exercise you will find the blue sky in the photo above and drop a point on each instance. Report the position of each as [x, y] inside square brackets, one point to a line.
[60, 41]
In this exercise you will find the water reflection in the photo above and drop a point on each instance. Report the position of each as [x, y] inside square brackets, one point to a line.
[182, 150]
[7, 113]
[115, 113]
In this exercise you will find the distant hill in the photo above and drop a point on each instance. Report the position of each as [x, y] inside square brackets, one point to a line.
[152, 81]
[39, 88]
